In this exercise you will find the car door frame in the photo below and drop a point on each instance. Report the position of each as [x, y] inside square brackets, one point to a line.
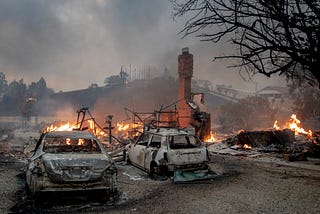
[137, 153]
[152, 150]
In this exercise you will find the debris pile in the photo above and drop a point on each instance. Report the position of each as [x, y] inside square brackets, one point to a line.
[292, 142]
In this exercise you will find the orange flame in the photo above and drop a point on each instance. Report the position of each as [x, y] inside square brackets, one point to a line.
[295, 125]
[80, 141]
[68, 127]
[68, 141]
[96, 130]
[246, 146]
[128, 130]
[123, 126]
[64, 127]
[91, 124]
[275, 125]
[240, 130]
[210, 138]
[123, 130]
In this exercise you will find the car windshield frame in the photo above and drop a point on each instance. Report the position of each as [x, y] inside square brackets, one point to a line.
[62, 144]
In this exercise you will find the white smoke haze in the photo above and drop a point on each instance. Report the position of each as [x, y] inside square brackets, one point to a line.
[66, 113]
[75, 43]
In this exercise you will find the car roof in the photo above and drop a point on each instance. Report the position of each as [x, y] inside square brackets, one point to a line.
[70, 134]
[168, 131]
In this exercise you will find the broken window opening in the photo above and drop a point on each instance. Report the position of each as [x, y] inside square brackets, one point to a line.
[155, 141]
[182, 142]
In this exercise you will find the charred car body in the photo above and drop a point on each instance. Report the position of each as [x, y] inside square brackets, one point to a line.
[70, 161]
[164, 150]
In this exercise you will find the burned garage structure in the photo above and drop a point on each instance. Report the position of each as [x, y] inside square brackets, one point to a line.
[70, 161]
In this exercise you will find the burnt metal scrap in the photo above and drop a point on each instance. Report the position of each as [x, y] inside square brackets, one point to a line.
[192, 176]
[81, 118]
[263, 139]
[303, 148]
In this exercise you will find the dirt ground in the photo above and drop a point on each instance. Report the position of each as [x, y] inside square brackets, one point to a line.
[242, 185]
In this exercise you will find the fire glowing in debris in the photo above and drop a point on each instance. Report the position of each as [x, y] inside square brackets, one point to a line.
[246, 146]
[93, 128]
[123, 130]
[239, 131]
[128, 130]
[137, 127]
[295, 125]
[64, 127]
[275, 125]
[80, 142]
[123, 126]
[68, 141]
[91, 124]
[210, 138]
[68, 127]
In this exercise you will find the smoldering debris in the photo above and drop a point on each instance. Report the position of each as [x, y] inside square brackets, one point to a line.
[282, 143]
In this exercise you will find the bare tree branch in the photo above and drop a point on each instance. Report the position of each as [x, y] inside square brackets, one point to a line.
[272, 36]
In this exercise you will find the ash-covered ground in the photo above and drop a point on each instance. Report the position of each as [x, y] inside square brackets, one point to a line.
[253, 184]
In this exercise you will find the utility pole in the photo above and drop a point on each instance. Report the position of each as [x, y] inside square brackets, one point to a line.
[109, 127]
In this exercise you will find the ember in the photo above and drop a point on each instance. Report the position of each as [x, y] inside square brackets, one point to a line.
[68, 141]
[80, 142]
[246, 146]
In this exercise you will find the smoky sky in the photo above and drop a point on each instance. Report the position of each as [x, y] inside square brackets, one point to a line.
[73, 43]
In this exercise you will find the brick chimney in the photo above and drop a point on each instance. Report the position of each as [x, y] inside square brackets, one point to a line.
[185, 70]
[189, 113]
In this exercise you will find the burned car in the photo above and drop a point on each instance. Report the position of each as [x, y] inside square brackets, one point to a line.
[164, 150]
[70, 161]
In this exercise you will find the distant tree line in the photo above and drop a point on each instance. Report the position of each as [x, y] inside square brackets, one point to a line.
[18, 98]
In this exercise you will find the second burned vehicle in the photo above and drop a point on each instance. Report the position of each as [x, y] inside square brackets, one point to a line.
[164, 150]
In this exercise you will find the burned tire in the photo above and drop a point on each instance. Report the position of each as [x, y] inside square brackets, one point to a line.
[164, 171]
[28, 191]
[153, 169]
[156, 172]
[112, 197]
